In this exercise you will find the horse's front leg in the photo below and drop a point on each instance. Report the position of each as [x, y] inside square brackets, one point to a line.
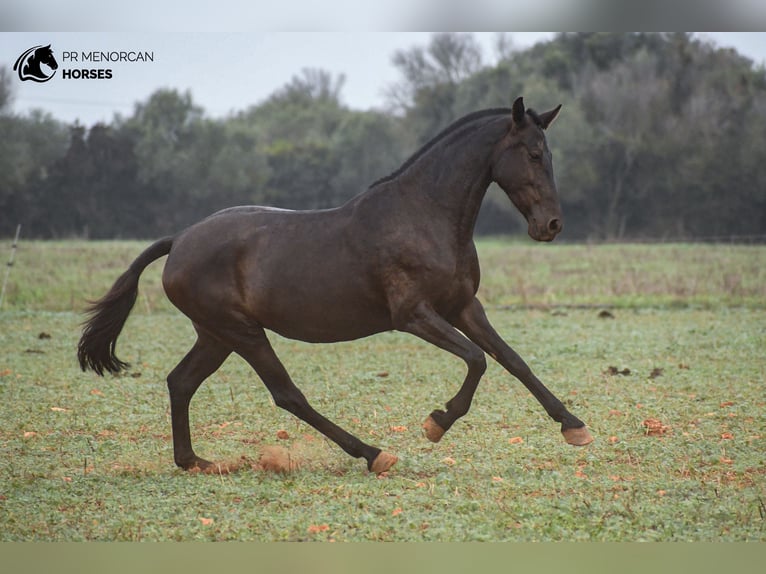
[425, 323]
[474, 323]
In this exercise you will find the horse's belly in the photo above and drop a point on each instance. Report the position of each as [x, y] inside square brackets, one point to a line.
[307, 321]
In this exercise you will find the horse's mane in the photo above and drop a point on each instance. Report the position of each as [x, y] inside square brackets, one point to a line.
[440, 136]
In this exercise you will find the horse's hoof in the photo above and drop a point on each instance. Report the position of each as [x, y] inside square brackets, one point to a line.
[383, 462]
[577, 437]
[197, 464]
[219, 468]
[433, 431]
[201, 466]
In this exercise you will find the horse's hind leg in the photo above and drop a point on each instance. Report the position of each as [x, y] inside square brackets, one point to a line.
[257, 351]
[199, 363]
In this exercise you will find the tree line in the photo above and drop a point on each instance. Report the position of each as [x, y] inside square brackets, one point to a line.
[661, 135]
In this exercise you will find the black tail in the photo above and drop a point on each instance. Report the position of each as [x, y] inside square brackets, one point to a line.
[108, 315]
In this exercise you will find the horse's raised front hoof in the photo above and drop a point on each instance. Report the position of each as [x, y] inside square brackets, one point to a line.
[433, 431]
[577, 437]
[383, 462]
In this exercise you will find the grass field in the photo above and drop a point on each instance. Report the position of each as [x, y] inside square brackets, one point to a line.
[671, 385]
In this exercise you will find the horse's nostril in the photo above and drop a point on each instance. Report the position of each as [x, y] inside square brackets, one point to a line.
[555, 225]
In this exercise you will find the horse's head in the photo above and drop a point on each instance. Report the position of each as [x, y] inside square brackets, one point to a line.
[522, 166]
[44, 55]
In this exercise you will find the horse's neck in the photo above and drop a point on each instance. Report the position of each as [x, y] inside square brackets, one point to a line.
[33, 65]
[455, 175]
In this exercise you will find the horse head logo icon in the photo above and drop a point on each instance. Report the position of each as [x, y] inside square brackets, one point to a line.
[29, 64]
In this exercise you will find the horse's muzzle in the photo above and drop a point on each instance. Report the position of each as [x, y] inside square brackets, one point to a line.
[546, 232]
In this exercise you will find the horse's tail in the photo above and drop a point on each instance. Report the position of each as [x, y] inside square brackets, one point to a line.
[96, 349]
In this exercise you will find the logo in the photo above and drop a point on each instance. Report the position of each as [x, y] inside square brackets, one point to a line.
[39, 65]
[29, 64]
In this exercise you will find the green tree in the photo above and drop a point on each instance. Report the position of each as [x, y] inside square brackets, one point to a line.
[431, 76]
[29, 145]
[295, 130]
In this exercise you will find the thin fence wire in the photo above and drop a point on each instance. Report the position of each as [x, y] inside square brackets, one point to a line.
[755, 239]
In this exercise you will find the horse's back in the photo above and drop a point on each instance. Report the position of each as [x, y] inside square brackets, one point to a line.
[295, 272]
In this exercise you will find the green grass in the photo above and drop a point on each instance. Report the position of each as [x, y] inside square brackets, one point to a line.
[58, 276]
[89, 458]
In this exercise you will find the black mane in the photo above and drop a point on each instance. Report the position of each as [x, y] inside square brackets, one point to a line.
[441, 135]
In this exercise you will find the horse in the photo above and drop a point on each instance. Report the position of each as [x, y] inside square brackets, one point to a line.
[29, 62]
[398, 256]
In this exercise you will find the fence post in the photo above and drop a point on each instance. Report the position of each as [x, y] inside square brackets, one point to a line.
[10, 264]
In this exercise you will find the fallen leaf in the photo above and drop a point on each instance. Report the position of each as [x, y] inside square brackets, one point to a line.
[30, 434]
[282, 435]
[515, 440]
[727, 436]
[206, 521]
[725, 460]
[656, 372]
[615, 413]
[661, 492]
[497, 479]
[398, 428]
[613, 439]
[315, 528]
[727, 404]
[396, 512]
[66, 478]
[59, 409]
[97, 393]
[449, 460]
[6, 372]
[580, 474]
[382, 374]
[605, 315]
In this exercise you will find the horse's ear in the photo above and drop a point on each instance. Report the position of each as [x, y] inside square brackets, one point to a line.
[48, 47]
[518, 113]
[547, 118]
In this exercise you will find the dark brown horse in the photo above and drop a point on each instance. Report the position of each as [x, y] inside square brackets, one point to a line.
[399, 256]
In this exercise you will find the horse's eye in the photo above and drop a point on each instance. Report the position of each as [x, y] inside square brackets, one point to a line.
[535, 156]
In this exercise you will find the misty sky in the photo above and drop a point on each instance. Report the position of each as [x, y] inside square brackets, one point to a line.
[227, 72]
